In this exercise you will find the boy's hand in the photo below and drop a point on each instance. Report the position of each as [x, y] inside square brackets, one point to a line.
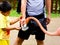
[17, 28]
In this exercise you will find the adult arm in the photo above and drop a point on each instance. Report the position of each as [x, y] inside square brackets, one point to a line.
[48, 7]
[23, 8]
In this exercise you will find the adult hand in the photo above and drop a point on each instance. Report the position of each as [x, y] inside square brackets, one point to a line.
[48, 20]
[22, 20]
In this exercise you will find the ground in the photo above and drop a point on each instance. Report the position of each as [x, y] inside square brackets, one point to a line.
[50, 40]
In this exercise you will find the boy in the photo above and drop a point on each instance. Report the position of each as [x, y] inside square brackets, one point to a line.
[5, 9]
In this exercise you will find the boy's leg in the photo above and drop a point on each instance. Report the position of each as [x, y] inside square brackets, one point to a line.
[18, 41]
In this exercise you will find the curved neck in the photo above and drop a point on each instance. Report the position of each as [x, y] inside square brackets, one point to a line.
[44, 30]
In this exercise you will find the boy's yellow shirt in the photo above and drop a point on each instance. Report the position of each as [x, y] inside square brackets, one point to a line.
[4, 22]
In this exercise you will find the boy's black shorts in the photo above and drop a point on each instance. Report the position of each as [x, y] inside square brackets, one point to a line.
[34, 29]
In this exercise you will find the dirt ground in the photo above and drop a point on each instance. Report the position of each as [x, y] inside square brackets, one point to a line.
[49, 40]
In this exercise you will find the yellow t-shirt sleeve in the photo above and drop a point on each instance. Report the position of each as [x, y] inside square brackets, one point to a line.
[2, 22]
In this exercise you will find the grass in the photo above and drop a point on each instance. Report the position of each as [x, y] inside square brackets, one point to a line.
[15, 14]
[55, 15]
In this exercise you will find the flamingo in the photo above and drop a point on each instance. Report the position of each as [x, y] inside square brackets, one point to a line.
[56, 33]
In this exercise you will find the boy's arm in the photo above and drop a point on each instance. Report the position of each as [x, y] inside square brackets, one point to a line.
[14, 21]
[48, 7]
[11, 28]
